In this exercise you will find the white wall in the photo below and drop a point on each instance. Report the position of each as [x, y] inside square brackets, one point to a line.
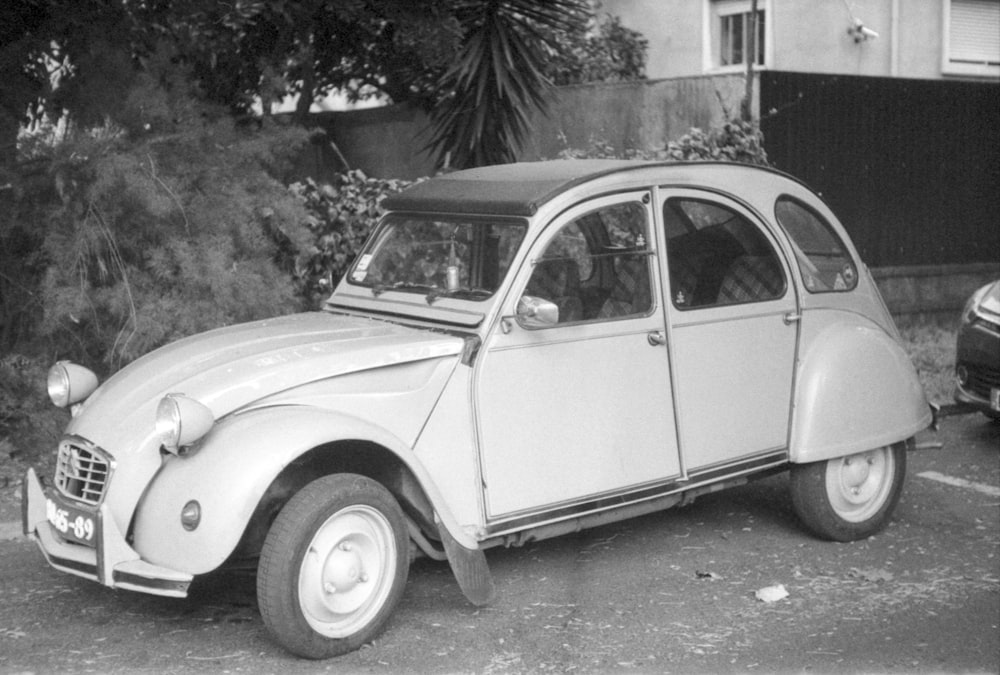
[807, 36]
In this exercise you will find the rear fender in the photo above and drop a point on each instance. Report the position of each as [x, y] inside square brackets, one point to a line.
[230, 473]
[856, 390]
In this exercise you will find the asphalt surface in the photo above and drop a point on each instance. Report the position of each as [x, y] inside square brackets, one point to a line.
[672, 592]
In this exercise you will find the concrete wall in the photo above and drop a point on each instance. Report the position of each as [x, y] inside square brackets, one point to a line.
[633, 115]
[935, 290]
[390, 142]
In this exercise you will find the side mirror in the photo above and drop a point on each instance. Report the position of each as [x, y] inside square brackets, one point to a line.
[533, 312]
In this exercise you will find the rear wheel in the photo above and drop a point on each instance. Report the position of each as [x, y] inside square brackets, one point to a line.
[849, 498]
[333, 566]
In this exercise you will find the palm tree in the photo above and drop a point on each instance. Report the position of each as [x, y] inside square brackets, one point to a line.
[498, 78]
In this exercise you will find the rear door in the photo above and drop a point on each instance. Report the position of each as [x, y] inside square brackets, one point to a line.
[734, 326]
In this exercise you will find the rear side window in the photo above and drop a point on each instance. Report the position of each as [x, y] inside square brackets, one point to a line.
[823, 259]
[716, 256]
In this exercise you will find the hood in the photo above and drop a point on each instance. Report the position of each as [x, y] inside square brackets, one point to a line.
[229, 368]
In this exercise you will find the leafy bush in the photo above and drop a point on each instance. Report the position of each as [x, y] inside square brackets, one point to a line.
[174, 223]
[598, 51]
[340, 218]
[735, 141]
[29, 423]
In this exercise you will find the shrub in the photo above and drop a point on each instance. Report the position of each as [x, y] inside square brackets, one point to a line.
[735, 141]
[29, 423]
[341, 216]
[176, 224]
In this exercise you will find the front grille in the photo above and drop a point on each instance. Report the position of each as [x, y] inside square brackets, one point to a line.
[82, 472]
[981, 379]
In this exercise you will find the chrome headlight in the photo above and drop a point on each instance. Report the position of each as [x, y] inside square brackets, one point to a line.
[69, 383]
[181, 421]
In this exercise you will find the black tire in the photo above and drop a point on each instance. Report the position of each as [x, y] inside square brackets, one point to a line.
[849, 498]
[333, 566]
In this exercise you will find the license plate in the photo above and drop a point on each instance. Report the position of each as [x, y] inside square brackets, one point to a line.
[995, 399]
[73, 523]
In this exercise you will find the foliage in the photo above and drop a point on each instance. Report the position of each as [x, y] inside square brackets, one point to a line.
[931, 347]
[29, 424]
[598, 51]
[735, 141]
[173, 222]
[21, 386]
[340, 218]
[497, 79]
[479, 66]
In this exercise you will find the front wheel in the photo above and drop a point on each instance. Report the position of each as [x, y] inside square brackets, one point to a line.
[849, 498]
[333, 566]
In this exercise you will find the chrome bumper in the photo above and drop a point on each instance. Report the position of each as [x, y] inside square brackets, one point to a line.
[112, 562]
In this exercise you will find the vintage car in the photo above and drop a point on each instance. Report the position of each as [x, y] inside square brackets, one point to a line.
[977, 352]
[518, 352]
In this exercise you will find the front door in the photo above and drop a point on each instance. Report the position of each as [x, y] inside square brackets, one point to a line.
[577, 411]
[733, 326]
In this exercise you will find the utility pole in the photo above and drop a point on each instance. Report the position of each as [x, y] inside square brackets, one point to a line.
[751, 58]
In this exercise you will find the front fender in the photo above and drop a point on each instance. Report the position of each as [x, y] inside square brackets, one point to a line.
[856, 390]
[232, 470]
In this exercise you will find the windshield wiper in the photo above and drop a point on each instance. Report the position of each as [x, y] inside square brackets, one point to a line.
[379, 289]
[469, 293]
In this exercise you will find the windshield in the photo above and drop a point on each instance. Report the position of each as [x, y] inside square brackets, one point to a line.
[438, 257]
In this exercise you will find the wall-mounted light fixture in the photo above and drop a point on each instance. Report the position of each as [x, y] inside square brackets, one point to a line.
[860, 32]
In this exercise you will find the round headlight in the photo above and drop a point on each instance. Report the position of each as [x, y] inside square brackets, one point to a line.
[69, 383]
[181, 421]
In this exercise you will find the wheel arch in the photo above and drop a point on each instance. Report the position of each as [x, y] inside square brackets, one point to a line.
[350, 455]
[856, 389]
[252, 463]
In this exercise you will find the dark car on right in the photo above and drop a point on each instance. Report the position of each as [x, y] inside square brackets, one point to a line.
[977, 354]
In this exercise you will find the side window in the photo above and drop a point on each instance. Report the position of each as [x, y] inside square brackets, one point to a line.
[597, 266]
[718, 257]
[823, 260]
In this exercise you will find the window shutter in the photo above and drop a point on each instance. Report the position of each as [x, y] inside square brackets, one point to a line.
[974, 35]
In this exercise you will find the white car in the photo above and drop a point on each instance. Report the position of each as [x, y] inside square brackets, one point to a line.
[519, 352]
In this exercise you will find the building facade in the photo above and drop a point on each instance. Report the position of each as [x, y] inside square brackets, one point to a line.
[921, 39]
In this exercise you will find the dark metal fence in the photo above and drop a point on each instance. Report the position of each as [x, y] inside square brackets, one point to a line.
[912, 167]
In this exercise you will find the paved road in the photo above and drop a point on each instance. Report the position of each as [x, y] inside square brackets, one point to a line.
[673, 592]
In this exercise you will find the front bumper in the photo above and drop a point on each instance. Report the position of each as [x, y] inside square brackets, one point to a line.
[112, 562]
[977, 362]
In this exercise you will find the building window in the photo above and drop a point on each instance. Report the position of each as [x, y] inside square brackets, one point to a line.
[972, 37]
[735, 39]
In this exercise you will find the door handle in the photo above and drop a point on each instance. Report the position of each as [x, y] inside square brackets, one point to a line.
[792, 317]
[656, 338]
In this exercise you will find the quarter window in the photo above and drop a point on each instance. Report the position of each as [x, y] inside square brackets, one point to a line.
[718, 257]
[597, 266]
[823, 259]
